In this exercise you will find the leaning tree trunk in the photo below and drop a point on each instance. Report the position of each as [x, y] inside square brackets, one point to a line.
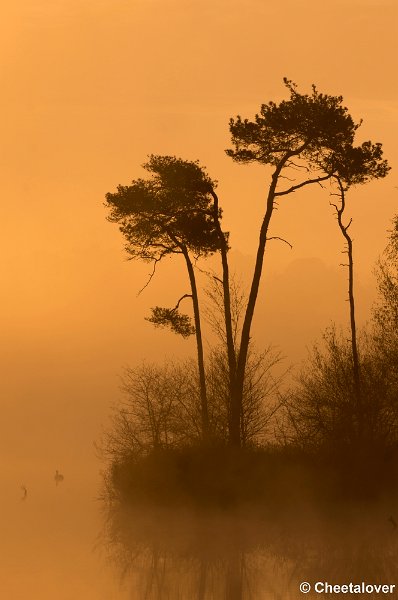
[237, 399]
[247, 323]
[199, 345]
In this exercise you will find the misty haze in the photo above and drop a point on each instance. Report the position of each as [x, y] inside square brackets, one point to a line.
[200, 302]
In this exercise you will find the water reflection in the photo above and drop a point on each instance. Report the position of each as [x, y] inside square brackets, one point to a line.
[242, 556]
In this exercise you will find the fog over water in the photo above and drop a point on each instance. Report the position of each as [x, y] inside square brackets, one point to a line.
[54, 545]
[243, 556]
[48, 545]
[89, 90]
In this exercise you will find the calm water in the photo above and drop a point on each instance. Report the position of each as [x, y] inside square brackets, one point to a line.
[169, 556]
[49, 541]
[58, 545]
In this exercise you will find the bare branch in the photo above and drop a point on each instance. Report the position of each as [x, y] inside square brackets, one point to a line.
[181, 299]
[300, 185]
[292, 165]
[285, 177]
[151, 275]
[275, 237]
[217, 279]
[209, 273]
[334, 205]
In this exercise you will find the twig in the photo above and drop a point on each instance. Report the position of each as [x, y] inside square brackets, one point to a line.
[180, 300]
[151, 275]
[285, 177]
[275, 237]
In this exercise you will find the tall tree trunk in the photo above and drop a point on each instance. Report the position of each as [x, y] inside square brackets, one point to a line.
[258, 268]
[354, 343]
[199, 345]
[234, 410]
[237, 400]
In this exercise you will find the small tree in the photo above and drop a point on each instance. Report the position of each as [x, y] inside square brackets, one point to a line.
[299, 139]
[171, 213]
[260, 399]
[386, 309]
[321, 414]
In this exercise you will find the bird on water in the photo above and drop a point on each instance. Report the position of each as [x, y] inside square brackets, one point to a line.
[58, 477]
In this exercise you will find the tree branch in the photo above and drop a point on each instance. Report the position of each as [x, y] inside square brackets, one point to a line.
[275, 237]
[292, 165]
[285, 177]
[300, 185]
[151, 275]
[180, 300]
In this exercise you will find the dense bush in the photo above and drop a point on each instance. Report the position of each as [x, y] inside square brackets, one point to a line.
[325, 413]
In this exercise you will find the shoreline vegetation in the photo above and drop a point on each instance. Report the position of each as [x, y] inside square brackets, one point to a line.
[222, 479]
[306, 450]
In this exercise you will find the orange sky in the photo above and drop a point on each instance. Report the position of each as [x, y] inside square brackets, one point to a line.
[89, 89]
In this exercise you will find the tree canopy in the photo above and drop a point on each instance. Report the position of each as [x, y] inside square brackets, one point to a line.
[311, 125]
[359, 164]
[169, 211]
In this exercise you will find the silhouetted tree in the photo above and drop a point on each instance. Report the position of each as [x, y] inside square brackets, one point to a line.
[300, 135]
[173, 212]
[306, 139]
[159, 410]
[356, 165]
